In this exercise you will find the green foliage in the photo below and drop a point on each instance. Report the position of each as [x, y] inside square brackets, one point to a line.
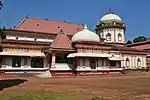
[148, 38]
[129, 42]
[139, 39]
[1, 4]
[2, 34]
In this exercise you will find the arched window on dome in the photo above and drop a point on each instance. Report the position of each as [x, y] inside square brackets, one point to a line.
[138, 62]
[119, 37]
[108, 37]
[127, 62]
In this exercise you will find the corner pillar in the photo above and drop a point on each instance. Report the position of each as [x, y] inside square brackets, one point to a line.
[53, 59]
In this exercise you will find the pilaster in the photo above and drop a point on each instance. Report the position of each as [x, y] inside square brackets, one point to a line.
[53, 59]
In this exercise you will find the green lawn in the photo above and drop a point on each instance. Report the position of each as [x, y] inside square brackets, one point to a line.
[37, 96]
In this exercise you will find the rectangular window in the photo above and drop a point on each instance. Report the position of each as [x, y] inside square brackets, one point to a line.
[16, 61]
[113, 63]
[37, 62]
[60, 59]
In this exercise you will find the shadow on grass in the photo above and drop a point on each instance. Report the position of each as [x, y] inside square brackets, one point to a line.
[10, 82]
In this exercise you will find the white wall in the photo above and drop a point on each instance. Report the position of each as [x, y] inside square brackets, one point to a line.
[28, 38]
[114, 34]
[133, 60]
[62, 66]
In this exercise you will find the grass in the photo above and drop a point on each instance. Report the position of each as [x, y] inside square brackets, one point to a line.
[37, 96]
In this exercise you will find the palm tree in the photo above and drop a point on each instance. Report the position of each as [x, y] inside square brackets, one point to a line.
[1, 4]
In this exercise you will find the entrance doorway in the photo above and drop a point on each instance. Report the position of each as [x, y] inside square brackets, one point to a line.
[92, 63]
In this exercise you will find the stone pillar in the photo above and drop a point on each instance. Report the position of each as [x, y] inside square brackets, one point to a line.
[105, 62]
[114, 35]
[77, 62]
[135, 62]
[25, 62]
[132, 62]
[45, 62]
[53, 59]
[118, 63]
[4, 61]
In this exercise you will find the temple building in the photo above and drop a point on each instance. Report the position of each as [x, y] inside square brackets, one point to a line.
[145, 45]
[63, 48]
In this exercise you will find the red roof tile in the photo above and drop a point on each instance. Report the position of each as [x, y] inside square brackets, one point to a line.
[145, 45]
[48, 26]
[61, 41]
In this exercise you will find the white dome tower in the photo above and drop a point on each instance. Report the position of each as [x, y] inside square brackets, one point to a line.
[85, 36]
[111, 28]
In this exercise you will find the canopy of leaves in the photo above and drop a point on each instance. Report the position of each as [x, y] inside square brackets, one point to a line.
[129, 42]
[139, 39]
[2, 34]
[1, 4]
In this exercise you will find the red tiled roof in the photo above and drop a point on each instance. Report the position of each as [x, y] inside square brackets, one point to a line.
[61, 42]
[48, 26]
[145, 45]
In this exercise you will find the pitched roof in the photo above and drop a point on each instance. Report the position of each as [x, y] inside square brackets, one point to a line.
[48, 26]
[139, 43]
[61, 41]
[125, 48]
[145, 45]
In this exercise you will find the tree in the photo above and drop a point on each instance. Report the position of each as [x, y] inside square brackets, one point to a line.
[140, 39]
[2, 34]
[1, 4]
[129, 42]
[148, 38]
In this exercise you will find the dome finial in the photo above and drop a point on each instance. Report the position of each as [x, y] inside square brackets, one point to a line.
[110, 11]
[85, 26]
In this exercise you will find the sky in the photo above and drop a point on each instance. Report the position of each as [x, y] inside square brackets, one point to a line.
[135, 13]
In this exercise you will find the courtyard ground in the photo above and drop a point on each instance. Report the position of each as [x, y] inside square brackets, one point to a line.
[130, 86]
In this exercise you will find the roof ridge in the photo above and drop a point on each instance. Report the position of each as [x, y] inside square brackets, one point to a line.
[67, 37]
[21, 22]
[53, 20]
[55, 40]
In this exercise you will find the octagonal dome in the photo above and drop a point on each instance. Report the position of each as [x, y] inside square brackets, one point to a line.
[111, 16]
[85, 35]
